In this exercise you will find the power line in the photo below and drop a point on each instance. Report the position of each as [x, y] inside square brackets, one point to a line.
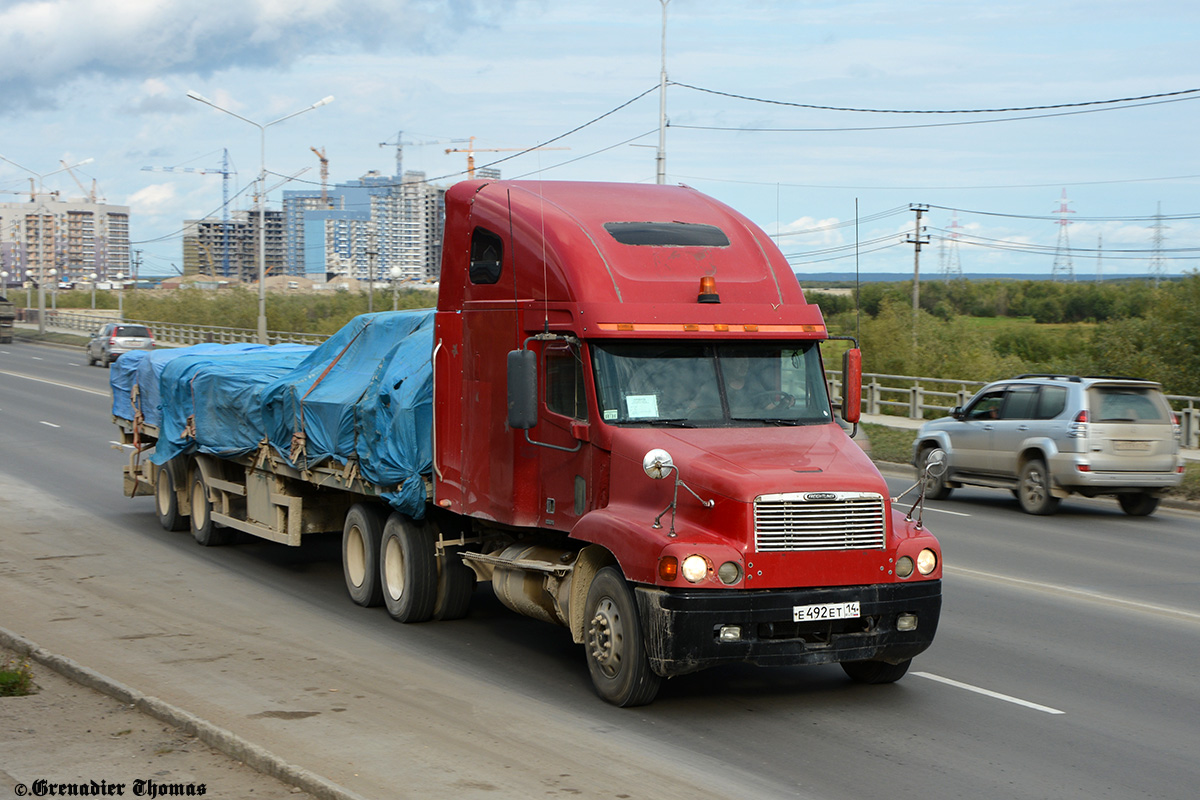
[1179, 93]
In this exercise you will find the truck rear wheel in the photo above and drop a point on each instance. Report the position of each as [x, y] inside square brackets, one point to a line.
[166, 504]
[408, 570]
[616, 653]
[204, 530]
[456, 584]
[361, 537]
[875, 671]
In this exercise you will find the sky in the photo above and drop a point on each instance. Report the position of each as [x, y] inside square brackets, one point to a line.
[752, 98]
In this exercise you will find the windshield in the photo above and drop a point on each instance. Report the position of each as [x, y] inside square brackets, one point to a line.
[710, 384]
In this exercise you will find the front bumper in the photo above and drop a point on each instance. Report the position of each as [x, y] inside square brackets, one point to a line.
[681, 627]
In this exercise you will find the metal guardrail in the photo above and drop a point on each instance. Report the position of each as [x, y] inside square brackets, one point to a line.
[177, 333]
[896, 395]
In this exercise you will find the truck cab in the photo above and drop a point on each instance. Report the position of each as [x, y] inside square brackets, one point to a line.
[670, 443]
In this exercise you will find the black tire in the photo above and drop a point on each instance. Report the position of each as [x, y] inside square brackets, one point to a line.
[456, 584]
[1138, 504]
[166, 504]
[408, 570]
[935, 485]
[1033, 491]
[91, 359]
[875, 672]
[616, 652]
[204, 530]
[361, 537]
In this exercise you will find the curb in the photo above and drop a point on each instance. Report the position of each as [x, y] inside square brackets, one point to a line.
[216, 737]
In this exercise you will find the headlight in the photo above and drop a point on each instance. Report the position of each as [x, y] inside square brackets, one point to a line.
[926, 561]
[694, 568]
[730, 573]
[904, 567]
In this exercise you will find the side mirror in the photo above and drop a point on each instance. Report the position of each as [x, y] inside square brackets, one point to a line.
[957, 412]
[935, 463]
[657, 463]
[522, 389]
[852, 385]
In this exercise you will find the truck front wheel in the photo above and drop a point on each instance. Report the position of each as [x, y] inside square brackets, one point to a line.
[408, 570]
[616, 654]
[361, 537]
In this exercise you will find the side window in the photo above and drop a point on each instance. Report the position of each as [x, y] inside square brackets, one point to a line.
[986, 406]
[565, 392]
[1051, 402]
[487, 253]
[1020, 402]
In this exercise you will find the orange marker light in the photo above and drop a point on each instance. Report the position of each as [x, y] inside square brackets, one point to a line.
[668, 568]
[708, 290]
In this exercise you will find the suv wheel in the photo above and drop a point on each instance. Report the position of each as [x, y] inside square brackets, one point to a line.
[935, 485]
[1138, 504]
[1033, 491]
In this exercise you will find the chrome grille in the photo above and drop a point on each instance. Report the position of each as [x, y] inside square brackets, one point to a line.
[819, 521]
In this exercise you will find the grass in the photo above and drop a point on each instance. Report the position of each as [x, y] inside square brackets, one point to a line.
[16, 678]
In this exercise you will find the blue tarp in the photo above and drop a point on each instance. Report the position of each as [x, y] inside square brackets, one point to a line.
[366, 395]
[209, 400]
[143, 368]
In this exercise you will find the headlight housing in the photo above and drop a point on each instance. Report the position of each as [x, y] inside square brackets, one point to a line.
[927, 561]
[694, 568]
[904, 567]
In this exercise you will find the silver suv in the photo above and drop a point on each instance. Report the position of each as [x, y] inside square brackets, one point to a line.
[117, 338]
[1046, 436]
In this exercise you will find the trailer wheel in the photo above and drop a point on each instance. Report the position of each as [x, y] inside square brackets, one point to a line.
[616, 653]
[875, 672]
[456, 584]
[204, 531]
[361, 536]
[408, 570]
[165, 501]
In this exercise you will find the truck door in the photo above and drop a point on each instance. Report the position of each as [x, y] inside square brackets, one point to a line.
[566, 457]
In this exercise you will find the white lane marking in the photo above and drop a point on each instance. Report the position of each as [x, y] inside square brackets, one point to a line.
[36, 358]
[946, 511]
[989, 693]
[121, 444]
[1081, 594]
[51, 424]
[53, 383]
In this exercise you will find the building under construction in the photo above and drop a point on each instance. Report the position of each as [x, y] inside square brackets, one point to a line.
[75, 238]
[364, 228]
[205, 242]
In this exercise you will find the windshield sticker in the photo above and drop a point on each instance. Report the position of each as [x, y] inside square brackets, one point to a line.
[641, 406]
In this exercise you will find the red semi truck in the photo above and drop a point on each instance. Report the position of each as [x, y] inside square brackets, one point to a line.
[632, 437]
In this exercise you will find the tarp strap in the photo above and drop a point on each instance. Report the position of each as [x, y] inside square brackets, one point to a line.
[299, 451]
[321, 377]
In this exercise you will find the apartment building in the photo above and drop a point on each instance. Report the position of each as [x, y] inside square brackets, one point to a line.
[75, 237]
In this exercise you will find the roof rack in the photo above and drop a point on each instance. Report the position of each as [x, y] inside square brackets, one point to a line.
[1119, 378]
[1072, 378]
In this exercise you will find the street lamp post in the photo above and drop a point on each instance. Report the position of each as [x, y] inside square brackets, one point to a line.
[53, 272]
[260, 198]
[121, 296]
[41, 176]
[395, 273]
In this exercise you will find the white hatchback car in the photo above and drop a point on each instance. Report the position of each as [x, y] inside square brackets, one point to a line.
[1046, 436]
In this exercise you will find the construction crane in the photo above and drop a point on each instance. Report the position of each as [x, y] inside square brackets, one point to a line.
[89, 194]
[226, 172]
[400, 143]
[324, 175]
[471, 150]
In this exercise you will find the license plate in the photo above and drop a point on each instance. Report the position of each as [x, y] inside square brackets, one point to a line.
[823, 611]
[1137, 447]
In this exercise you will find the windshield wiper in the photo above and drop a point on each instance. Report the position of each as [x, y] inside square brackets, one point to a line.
[680, 422]
[769, 420]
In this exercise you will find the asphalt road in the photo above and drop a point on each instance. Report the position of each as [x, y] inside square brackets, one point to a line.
[1064, 667]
